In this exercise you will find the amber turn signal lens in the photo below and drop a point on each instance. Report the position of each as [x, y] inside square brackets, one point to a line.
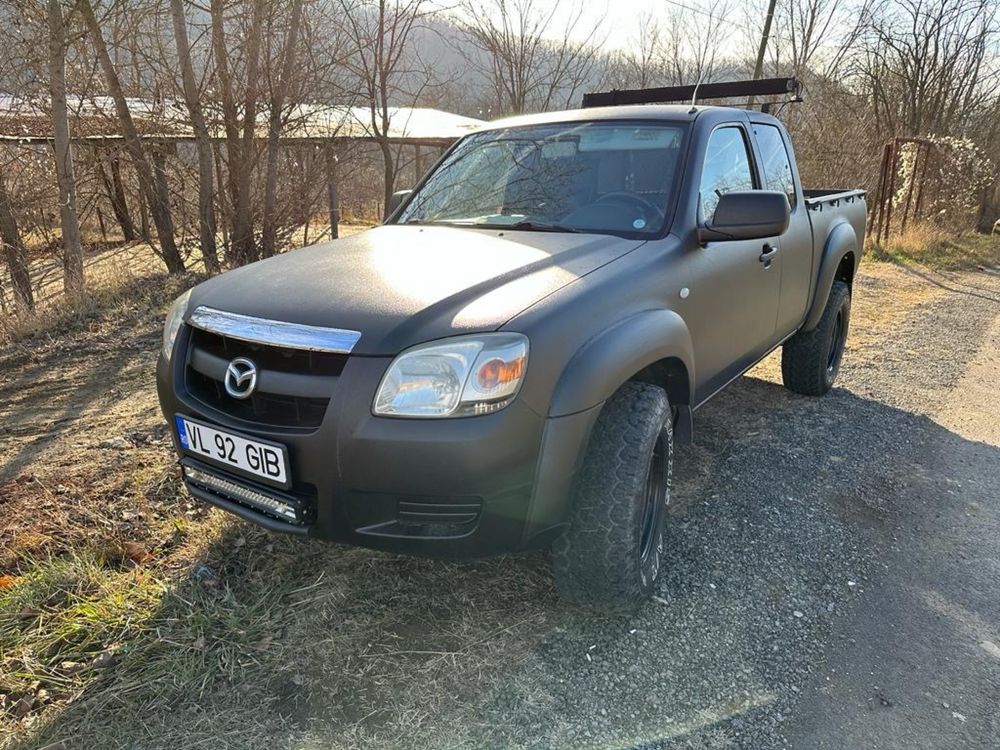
[497, 372]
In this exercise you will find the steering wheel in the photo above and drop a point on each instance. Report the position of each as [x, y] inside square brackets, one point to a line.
[651, 212]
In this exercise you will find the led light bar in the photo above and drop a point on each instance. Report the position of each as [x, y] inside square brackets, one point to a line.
[259, 500]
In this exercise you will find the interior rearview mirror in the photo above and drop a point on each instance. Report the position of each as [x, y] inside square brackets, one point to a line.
[748, 215]
[397, 200]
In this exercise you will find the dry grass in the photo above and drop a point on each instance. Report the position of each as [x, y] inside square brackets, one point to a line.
[131, 616]
[111, 272]
[114, 276]
[932, 247]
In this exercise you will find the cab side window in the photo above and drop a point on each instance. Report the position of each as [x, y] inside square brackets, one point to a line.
[727, 168]
[776, 164]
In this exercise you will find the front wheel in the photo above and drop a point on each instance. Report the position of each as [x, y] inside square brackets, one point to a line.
[810, 360]
[611, 554]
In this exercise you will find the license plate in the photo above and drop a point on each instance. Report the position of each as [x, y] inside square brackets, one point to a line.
[256, 458]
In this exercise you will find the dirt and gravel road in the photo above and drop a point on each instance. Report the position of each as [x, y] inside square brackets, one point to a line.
[833, 580]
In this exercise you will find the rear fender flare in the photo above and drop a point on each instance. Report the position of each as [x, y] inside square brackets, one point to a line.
[841, 241]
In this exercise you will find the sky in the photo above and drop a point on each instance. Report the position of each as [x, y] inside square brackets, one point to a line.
[620, 19]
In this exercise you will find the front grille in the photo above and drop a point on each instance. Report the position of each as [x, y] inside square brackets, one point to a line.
[263, 408]
[294, 387]
[269, 357]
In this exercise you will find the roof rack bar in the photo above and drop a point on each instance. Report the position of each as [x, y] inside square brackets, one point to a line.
[665, 94]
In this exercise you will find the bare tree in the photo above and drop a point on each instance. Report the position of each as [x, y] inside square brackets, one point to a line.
[927, 64]
[528, 64]
[230, 118]
[693, 44]
[642, 57]
[810, 37]
[203, 141]
[241, 153]
[815, 25]
[72, 245]
[380, 33]
[114, 189]
[243, 234]
[152, 184]
[640, 63]
[14, 254]
[275, 118]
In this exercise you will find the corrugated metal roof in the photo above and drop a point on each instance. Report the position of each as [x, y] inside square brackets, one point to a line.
[94, 119]
[405, 123]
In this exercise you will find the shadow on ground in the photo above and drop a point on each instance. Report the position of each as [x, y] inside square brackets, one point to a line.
[95, 357]
[786, 509]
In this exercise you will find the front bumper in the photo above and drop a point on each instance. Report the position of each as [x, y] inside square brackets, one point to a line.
[464, 487]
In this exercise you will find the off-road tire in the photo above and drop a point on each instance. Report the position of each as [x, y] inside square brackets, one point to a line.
[810, 360]
[599, 561]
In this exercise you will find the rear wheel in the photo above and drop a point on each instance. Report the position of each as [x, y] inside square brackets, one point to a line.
[612, 553]
[810, 360]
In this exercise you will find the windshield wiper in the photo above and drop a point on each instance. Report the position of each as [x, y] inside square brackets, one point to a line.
[526, 226]
[538, 226]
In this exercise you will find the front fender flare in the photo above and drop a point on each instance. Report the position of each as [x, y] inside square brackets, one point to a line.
[614, 355]
[841, 241]
[591, 376]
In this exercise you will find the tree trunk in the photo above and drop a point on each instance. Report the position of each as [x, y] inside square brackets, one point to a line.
[206, 180]
[116, 196]
[72, 245]
[223, 208]
[239, 150]
[14, 254]
[270, 228]
[230, 120]
[144, 222]
[161, 193]
[158, 205]
[381, 120]
[243, 212]
[333, 200]
[388, 174]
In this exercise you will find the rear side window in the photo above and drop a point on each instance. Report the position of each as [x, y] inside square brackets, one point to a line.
[727, 168]
[777, 166]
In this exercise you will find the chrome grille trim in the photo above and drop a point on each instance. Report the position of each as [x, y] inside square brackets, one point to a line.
[274, 332]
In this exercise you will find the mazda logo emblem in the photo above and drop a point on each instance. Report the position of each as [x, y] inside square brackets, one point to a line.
[241, 377]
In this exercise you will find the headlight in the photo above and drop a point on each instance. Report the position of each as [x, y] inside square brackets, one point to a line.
[457, 377]
[173, 323]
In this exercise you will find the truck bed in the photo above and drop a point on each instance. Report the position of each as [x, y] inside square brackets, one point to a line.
[817, 197]
[830, 207]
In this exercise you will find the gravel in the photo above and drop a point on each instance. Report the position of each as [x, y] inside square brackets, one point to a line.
[832, 581]
[788, 509]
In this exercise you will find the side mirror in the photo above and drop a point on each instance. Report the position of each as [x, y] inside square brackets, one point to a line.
[397, 200]
[749, 215]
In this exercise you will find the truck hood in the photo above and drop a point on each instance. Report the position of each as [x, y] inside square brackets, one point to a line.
[402, 285]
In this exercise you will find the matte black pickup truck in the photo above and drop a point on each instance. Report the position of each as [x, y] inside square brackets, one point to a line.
[508, 362]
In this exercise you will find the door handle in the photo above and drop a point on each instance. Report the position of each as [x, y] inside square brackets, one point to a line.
[768, 255]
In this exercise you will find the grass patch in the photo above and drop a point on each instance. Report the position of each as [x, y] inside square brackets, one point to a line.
[937, 249]
[61, 624]
[94, 649]
[251, 641]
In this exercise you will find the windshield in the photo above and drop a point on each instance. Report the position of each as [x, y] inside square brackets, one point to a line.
[605, 177]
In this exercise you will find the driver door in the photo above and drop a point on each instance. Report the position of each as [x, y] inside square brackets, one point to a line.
[736, 283]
